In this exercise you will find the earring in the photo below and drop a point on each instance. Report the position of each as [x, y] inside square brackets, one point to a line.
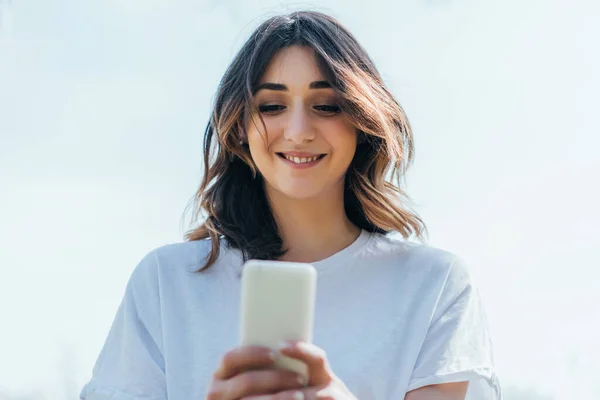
[241, 142]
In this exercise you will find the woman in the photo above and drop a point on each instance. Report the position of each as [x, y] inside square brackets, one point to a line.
[303, 138]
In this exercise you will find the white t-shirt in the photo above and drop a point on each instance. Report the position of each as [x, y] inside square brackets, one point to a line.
[391, 315]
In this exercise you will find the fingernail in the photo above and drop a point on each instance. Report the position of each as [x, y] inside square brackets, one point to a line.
[273, 355]
[298, 396]
[302, 380]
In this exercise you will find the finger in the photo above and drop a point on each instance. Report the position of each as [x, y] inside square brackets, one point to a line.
[262, 382]
[303, 394]
[314, 357]
[243, 358]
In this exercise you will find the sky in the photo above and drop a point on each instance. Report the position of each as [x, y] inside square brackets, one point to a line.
[102, 111]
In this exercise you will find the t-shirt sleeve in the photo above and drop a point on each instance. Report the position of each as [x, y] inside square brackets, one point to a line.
[458, 346]
[130, 365]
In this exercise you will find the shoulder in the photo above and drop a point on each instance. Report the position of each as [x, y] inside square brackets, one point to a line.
[412, 255]
[174, 260]
[396, 245]
[442, 282]
[421, 262]
[188, 256]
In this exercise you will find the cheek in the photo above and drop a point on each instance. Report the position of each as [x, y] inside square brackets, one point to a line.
[342, 139]
[259, 145]
[258, 137]
[344, 147]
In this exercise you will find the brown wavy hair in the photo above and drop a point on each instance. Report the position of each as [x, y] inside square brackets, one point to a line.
[231, 196]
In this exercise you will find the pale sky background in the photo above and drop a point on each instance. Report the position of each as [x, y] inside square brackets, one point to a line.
[102, 110]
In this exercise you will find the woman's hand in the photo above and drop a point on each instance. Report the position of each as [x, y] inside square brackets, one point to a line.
[248, 371]
[322, 383]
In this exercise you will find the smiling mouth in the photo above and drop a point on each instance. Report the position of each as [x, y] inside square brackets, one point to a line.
[301, 160]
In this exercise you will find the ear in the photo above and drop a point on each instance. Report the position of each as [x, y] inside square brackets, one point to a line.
[241, 134]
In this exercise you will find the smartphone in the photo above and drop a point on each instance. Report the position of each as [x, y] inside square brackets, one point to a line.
[277, 303]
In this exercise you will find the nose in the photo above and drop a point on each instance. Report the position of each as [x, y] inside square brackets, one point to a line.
[299, 128]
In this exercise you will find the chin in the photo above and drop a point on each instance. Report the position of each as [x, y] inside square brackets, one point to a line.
[300, 192]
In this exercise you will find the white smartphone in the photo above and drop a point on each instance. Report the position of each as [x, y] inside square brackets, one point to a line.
[277, 303]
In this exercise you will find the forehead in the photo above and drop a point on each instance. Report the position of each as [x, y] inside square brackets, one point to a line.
[295, 64]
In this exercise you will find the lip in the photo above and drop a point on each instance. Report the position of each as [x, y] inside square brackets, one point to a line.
[300, 154]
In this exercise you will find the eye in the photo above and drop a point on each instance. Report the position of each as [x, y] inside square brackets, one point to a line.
[327, 109]
[274, 108]
[270, 109]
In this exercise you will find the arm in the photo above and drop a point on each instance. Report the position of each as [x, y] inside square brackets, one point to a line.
[457, 346]
[445, 391]
[130, 365]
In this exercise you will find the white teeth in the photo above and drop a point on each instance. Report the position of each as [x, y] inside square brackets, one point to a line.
[301, 160]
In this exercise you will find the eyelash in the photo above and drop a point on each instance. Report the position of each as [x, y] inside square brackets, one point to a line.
[329, 109]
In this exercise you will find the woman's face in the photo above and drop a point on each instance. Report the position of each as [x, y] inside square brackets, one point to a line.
[309, 142]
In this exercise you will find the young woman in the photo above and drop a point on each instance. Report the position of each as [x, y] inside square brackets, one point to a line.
[300, 154]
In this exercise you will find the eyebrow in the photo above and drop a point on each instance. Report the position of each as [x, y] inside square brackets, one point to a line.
[281, 87]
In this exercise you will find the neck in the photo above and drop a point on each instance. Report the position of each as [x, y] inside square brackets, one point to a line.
[312, 229]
